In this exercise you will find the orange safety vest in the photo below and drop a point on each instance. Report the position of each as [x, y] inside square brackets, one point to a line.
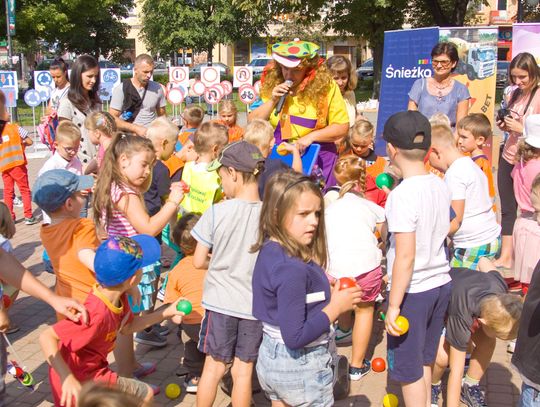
[11, 148]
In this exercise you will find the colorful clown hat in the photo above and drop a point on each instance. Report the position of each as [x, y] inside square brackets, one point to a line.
[291, 53]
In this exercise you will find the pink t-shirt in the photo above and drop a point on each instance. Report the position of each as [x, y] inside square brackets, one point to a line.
[523, 175]
[518, 109]
[119, 224]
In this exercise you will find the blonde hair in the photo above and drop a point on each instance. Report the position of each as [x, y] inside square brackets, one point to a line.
[350, 172]
[181, 233]
[501, 313]
[339, 64]
[478, 124]
[227, 106]
[110, 173]
[68, 131]
[98, 395]
[313, 90]
[280, 196]
[363, 129]
[102, 121]
[194, 115]
[260, 133]
[209, 135]
[440, 118]
[162, 128]
[442, 135]
[526, 152]
[7, 225]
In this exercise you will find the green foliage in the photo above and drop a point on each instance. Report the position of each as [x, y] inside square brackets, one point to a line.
[171, 24]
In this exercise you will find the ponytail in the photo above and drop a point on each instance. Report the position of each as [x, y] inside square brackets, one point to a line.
[350, 172]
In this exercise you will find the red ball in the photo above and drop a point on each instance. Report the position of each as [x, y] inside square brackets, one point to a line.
[6, 300]
[378, 365]
[184, 186]
[346, 282]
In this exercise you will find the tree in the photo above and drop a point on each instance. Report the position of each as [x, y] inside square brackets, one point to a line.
[171, 24]
[442, 13]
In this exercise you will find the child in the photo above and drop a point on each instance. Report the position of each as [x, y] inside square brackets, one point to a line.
[474, 230]
[7, 231]
[204, 185]
[261, 134]
[474, 130]
[66, 144]
[69, 240]
[351, 223]
[98, 395]
[13, 163]
[101, 128]
[78, 352]
[526, 229]
[417, 212]
[480, 309]
[525, 359]
[228, 116]
[119, 211]
[187, 281]
[291, 294]
[345, 76]
[229, 331]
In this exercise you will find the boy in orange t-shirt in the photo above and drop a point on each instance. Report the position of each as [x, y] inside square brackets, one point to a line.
[187, 281]
[70, 241]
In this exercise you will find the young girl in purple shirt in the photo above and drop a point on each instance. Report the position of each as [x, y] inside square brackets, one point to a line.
[291, 294]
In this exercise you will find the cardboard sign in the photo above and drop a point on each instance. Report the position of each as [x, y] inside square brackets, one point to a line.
[211, 95]
[198, 88]
[247, 94]
[179, 74]
[209, 75]
[175, 96]
[243, 75]
[43, 79]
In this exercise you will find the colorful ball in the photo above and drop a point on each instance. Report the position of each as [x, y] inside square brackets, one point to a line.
[27, 379]
[281, 150]
[390, 400]
[346, 282]
[384, 180]
[184, 306]
[172, 390]
[403, 324]
[378, 365]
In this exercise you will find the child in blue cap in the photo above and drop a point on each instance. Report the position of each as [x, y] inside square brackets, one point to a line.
[78, 352]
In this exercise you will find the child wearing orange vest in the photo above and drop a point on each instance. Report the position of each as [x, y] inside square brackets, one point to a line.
[14, 139]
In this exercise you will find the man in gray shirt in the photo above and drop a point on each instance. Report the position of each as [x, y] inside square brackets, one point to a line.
[129, 112]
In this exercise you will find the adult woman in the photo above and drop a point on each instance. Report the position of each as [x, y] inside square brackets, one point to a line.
[315, 111]
[59, 72]
[82, 99]
[522, 101]
[341, 69]
[441, 93]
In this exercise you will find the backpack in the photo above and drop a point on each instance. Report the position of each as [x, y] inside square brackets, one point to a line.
[132, 103]
[47, 131]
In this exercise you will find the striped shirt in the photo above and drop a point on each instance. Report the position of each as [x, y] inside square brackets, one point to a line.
[119, 224]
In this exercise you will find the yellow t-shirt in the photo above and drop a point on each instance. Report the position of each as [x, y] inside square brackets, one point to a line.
[296, 120]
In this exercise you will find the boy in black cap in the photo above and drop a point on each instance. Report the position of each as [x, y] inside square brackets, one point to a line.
[229, 331]
[417, 211]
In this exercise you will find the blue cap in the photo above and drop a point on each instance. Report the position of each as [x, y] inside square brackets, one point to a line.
[118, 258]
[52, 188]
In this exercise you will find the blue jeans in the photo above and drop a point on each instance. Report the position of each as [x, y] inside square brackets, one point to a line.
[301, 377]
[530, 397]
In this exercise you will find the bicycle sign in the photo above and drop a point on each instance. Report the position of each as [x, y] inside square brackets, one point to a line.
[247, 94]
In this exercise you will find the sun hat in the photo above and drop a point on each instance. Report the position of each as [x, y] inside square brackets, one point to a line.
[291, 53]
[531, 130]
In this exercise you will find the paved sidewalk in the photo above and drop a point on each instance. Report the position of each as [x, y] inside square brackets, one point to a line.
[501, 382]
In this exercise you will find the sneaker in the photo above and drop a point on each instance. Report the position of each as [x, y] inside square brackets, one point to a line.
[144, 369]
[472, 396]
[17, 202]
[191, 383]
[150, 338]
[435, 393]
[356, 373]
[343, 337]
[161, 330]
[511, 346]
[30, 221]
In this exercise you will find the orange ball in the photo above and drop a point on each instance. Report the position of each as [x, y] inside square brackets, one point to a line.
[346, 282]
[281, 150]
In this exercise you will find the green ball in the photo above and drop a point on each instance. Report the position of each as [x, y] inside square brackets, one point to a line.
[184, 306]
[384, 180]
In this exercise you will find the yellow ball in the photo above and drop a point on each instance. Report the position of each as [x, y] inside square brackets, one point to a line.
[281, 150]
[403, 324]
[390, 400]
[172, 390]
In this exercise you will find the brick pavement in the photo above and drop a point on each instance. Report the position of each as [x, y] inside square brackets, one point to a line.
[501, 382]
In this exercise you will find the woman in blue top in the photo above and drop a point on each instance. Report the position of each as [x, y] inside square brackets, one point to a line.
[291, 294]
[441, 93]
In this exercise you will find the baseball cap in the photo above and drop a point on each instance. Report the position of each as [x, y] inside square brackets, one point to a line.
[118, 258]
[291, 53]
[408, 130]
[54, 187]
[241, 155]
[531, 130]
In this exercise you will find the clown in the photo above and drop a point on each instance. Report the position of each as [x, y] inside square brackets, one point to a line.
[314, 111]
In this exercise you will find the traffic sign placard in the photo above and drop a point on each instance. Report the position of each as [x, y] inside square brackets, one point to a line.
[110, 77]
[209, 75]
[32, 98]
[8, 79]
[43, 79]
[227, 87]
[198, 88]
[247, 94]
[243, 75]
[11, 96]
[179, 74]
[175, 96]
[45, 94]
[211, 95]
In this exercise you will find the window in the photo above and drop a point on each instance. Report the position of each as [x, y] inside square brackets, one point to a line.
[501, 4]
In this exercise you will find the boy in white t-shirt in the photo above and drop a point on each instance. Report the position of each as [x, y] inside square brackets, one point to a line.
[474, 230]
[418, 215]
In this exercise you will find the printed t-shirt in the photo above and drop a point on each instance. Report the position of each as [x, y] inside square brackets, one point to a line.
[84, 347]
[469, 288]
[421, 204]
[186, 281]
[63, 241]
[466, 181]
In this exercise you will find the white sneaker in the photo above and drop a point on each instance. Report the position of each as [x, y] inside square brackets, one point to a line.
[17, 202]
[343, 337]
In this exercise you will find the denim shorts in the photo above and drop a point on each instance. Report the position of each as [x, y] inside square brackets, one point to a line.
[530, 397]
[297, 377]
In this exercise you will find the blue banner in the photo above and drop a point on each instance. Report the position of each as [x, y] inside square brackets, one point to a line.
[406, 58]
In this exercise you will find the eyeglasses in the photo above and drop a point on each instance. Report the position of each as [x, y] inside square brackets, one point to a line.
[445, 64]
[69, 150]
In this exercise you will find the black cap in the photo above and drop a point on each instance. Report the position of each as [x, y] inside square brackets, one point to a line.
[408, 130]
[241, 155]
